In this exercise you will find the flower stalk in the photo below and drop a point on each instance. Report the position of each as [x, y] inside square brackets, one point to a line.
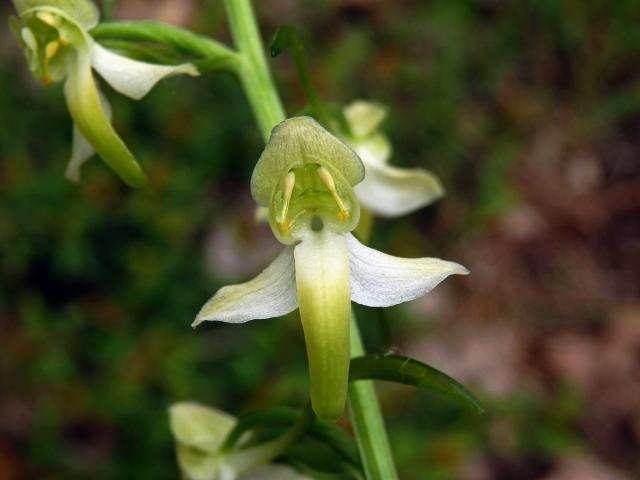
[253, 70]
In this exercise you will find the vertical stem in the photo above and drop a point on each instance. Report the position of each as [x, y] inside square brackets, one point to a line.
[108, 7]
[267, 108]
[367, 420]
[253, 70]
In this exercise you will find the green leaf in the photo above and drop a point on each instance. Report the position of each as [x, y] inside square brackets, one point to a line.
[286, 37]
[284, 418]
[405, 370]
[318, 463]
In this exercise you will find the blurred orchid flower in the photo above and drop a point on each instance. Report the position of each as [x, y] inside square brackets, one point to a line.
[200, 432]
[306, 176]
[55, 37]
[386, 190]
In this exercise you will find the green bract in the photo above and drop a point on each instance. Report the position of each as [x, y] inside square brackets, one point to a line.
[57, 45]
[305, 176]
[386, 190]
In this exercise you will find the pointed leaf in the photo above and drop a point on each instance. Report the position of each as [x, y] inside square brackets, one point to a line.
[284, 38]
[284, 418]
[405, 370]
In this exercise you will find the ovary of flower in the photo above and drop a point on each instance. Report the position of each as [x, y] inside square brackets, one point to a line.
[54, 35]
[322, 267]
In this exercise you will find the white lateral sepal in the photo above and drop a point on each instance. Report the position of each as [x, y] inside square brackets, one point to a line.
[390, 191]
[381, 280]
[271, 294]
[131, 77]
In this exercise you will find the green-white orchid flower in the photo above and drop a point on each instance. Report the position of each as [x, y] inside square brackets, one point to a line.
[200, 432]
[55, 37]
[305, 177]
[386, 190]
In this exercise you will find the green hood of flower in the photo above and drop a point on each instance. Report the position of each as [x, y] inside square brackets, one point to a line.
[305, 177]
[53, 34]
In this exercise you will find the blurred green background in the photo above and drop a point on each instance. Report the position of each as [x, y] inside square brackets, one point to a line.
[530, 113]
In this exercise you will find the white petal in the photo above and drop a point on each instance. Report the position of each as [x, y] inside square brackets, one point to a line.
[199, 426]
[390, 191]
[81, 149]
[381, 280]
[375, 149]
[271, 294]
[131, 77]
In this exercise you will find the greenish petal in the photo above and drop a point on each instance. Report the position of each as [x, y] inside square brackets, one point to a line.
[391, 192]
[364, 117]
[196, 465]
[324, 297]
[131, 77]
[199, 426]
[83, 101]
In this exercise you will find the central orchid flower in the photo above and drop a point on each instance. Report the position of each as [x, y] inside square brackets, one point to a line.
[305, 176]
[55, 37]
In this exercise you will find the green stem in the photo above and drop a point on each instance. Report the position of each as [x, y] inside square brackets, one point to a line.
[253, 70]
[265, 103]
[108, 6]
[367, 420]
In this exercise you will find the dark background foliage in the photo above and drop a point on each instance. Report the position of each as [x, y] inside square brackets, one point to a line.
[530, 113]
